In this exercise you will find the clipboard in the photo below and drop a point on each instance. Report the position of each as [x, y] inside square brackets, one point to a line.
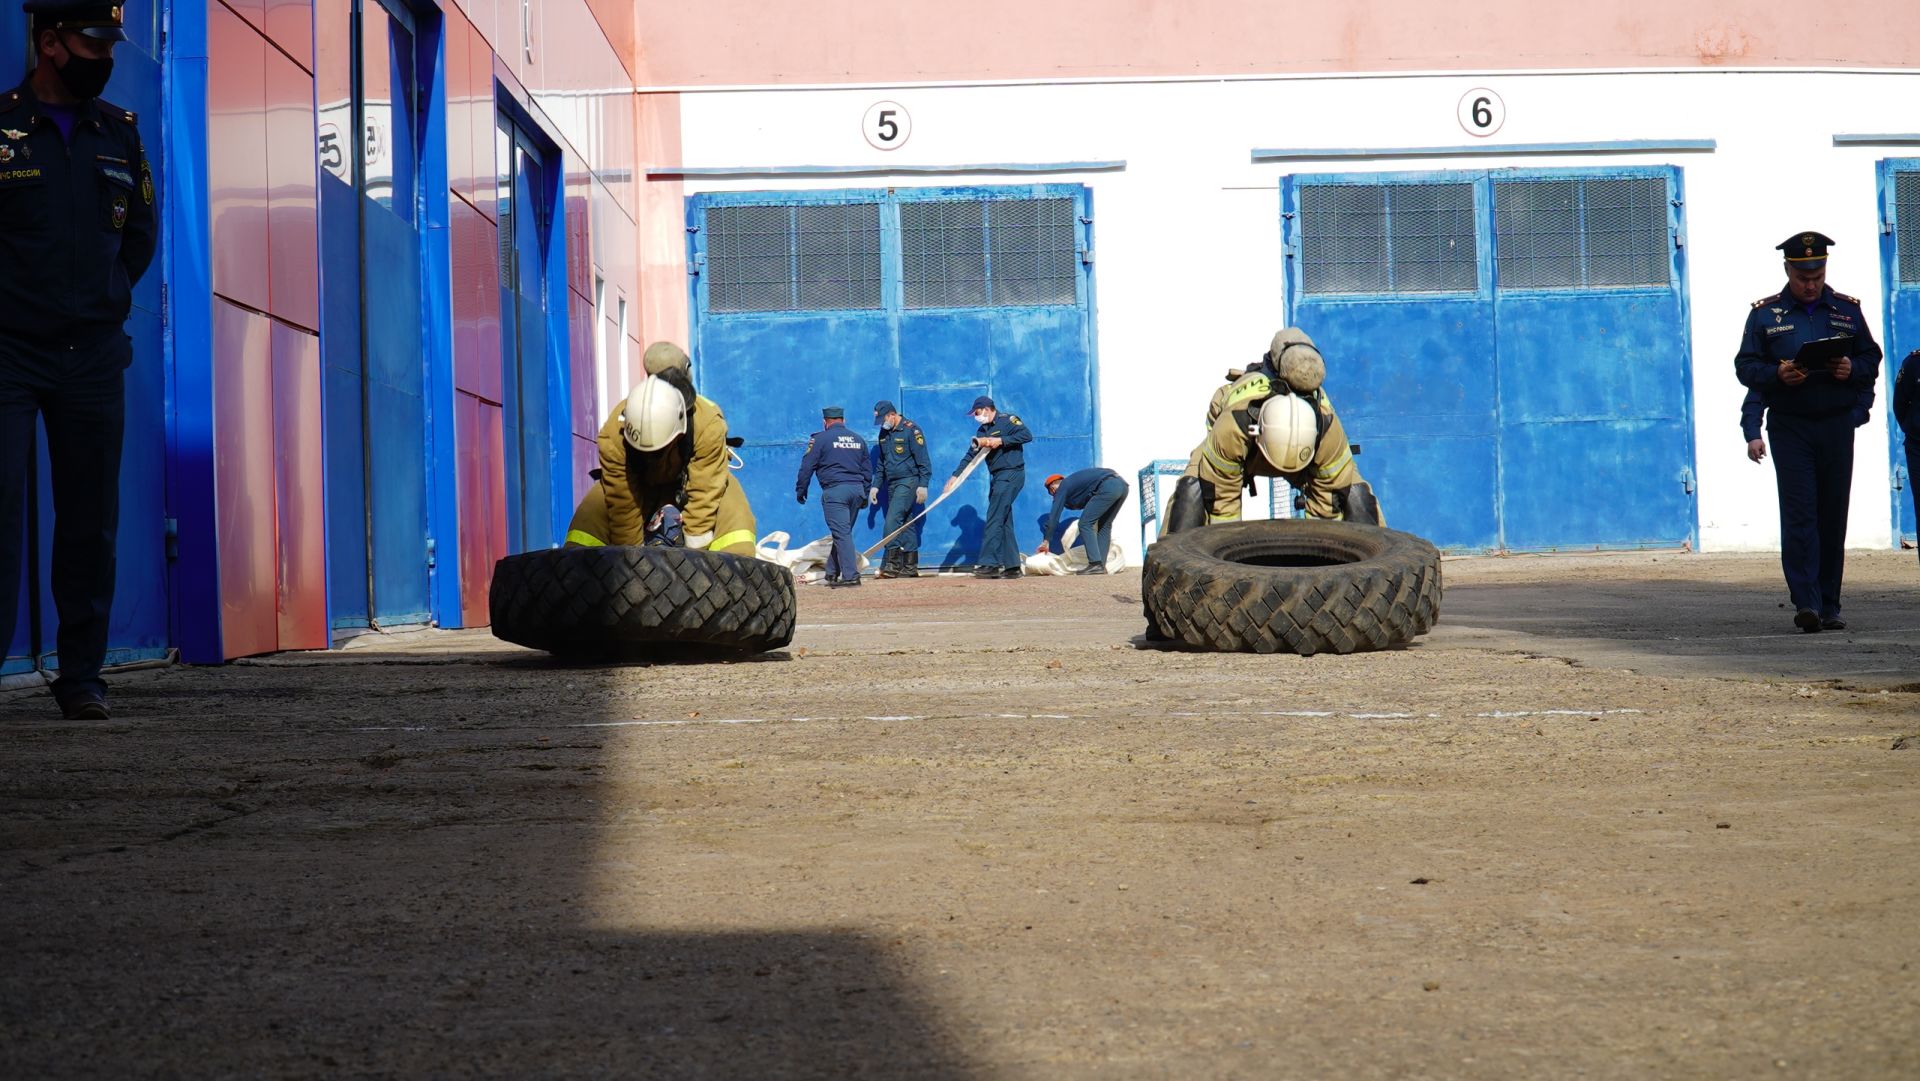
[1820, 353]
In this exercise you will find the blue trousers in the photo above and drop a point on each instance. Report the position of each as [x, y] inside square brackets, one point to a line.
[1813, 469]
[998, 548]
[900, 504]
[1913, 472]
[841, 504]
[1096, 520]
[82, 402]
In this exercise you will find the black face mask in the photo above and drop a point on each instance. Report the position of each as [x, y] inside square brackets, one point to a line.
[85, 77]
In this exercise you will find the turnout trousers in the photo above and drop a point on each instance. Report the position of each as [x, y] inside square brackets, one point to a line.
[1813, 469]
[80, 395]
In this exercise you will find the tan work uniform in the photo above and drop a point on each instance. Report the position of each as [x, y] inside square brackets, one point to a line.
[616, 510]
[1226, 457]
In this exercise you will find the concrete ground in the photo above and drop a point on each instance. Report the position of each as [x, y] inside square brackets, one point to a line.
[1612, 818]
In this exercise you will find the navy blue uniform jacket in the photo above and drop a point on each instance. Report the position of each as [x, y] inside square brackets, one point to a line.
[79, 220]
[1073, 493]
[903, 456]
[1906, 396]
[1005, 457]
[836, 455]
[1776, 329]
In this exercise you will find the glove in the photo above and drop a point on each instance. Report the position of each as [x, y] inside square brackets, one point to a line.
[873, 496]
[800, 498]
[920, 494]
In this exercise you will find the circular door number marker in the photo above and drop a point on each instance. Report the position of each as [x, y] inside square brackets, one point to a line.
[1482, 112]
[886, 125]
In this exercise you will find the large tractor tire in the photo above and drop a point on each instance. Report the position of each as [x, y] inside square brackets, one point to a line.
[1291, 586]
[637, 603]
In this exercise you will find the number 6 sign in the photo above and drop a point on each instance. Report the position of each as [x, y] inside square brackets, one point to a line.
[1482, 112]
[886, 125]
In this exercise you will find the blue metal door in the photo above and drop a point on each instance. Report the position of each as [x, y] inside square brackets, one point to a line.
[525, 228]
[928, 297]
[378, 562]
[1900, 269]
[1507, 348]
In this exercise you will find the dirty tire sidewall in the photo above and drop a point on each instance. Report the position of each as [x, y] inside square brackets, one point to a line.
[1378, 588]
[632, 601]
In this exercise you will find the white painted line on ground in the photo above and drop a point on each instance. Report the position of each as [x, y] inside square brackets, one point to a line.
[1504, 714]
[915, 625]
[689, 720]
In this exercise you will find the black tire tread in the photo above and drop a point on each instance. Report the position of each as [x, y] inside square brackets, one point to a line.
[1384, 591]
[629, 601]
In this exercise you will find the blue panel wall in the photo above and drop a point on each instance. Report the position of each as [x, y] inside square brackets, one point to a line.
[1496, 418]
[1414, 385]
[1035, 361]
[340, 360]
[1903, 337]
[396, 414]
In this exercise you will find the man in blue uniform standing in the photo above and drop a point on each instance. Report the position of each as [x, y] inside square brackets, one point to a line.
[1810, 411]
[76, 198]
[837, 457]
[903, 475]
[1096, 493]
[1000, 437]
[1906, 413]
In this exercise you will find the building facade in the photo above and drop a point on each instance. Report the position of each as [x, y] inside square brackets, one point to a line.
[412, 249]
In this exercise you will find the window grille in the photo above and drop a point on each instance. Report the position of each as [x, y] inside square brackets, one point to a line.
[981, 253]
[1581, 233]
[793, 258]
[1388, 238]
[1906, 225]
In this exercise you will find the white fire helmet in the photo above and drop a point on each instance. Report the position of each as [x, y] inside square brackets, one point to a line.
[1289, 431]
[655, 414]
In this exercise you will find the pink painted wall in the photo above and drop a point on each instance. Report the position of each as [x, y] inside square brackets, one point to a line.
[720, 42]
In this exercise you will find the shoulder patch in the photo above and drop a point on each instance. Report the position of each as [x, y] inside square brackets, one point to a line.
[1766, 300]
[1014, 418]
[920, 439]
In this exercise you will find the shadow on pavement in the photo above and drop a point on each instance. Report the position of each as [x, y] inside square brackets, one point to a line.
[392, 869]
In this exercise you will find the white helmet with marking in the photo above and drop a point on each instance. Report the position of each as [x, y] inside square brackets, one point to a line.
[655, 414]
[1289, 432]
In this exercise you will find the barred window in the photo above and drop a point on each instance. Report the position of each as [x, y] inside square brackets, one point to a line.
[1906, 225]
[793, 258]
[1388, 238]
[981, 253]
[1581, 232]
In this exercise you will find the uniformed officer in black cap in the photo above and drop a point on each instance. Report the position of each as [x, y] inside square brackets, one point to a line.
[1906, 412]
[1812, 409]
[1000, 437]
[902, 475]
[77, 230]
[837, 456]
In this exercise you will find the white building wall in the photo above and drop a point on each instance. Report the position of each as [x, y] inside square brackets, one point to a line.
[1188, 266]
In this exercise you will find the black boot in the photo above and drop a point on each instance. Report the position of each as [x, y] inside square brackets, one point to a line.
[909, 565]
[890, 566]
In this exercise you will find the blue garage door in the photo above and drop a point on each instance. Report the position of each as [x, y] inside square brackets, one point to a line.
[927, 297]
[1508, 348]
[1900, 258]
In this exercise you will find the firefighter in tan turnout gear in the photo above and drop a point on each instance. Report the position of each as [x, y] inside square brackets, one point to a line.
[665, 448]
[1273, 420]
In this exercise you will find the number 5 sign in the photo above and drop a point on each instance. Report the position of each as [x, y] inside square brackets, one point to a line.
[886, 125]
[1482, 112]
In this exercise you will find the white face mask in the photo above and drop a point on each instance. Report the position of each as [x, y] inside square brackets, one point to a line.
[979, 418]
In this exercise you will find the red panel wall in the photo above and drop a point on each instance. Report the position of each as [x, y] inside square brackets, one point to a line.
[237, 157]
[299, 490]
[483, 509]
[244, 480]
[293, 271]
